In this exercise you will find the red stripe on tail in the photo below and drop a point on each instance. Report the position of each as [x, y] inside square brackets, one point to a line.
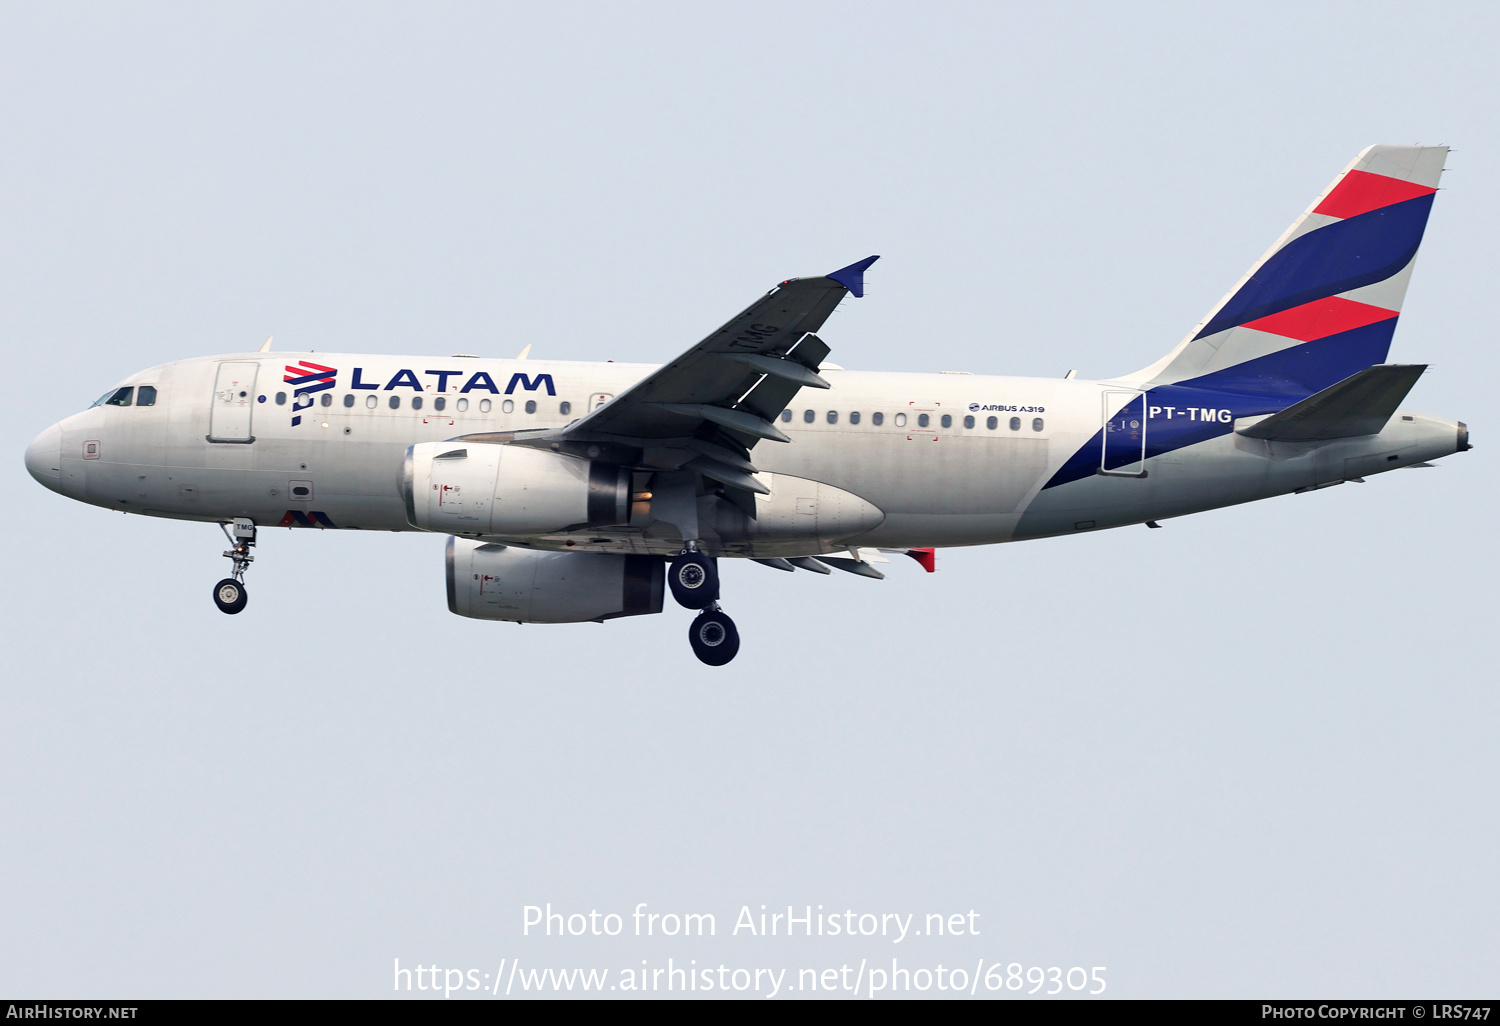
[1321, 318]
[1360, 192]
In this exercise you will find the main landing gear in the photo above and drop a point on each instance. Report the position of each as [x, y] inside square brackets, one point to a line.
[713, 637]
[229, 594]
[694, 580]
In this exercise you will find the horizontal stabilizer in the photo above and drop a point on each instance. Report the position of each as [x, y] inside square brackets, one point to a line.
[1361, 404]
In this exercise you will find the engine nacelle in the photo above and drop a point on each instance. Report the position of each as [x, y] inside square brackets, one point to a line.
[502, 582]
[480, 488]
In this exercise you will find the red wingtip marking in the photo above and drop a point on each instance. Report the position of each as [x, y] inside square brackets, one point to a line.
[927, 557]
[1360, 192]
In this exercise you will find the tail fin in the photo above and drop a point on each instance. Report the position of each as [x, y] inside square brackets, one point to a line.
[1322, 303]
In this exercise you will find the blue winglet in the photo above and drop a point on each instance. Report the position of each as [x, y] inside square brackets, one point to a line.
[853, 276]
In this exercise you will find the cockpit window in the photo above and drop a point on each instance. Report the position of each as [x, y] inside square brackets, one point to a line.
[146, 395]
[120, 396]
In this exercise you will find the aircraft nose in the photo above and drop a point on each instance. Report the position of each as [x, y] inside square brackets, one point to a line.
[44, 458]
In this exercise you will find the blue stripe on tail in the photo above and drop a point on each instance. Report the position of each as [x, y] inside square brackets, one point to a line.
[1345, 255]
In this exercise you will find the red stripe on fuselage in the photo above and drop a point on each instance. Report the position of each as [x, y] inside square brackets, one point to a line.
[1361, 191]
[1321, 318]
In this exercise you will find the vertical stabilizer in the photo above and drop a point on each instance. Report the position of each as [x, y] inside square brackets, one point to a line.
[1322, 304]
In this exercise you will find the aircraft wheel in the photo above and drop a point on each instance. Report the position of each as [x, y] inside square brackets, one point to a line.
[694, 580]
[229, 595]
[714, 638]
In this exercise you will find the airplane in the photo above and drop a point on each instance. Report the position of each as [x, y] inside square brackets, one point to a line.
[574, 492]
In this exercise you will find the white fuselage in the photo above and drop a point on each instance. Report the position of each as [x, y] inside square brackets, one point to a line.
[897, 442]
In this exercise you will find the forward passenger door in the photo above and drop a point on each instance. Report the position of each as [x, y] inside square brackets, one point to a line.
[233, 403]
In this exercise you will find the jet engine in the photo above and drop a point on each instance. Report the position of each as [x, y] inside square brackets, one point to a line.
[502, 582]
[480, 488]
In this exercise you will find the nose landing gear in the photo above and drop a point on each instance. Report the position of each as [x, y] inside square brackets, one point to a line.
[229, 594]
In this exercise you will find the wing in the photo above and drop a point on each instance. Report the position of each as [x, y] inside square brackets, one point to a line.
[740, 377]
[706, 409]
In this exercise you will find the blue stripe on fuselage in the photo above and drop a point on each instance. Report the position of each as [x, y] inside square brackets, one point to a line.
[1175, 415]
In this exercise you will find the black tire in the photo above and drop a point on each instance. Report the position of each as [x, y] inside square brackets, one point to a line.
[694, 580]
[229, 596]
[714, 638]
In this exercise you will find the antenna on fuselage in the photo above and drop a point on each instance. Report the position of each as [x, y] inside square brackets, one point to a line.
[265, 347]
[523, 354]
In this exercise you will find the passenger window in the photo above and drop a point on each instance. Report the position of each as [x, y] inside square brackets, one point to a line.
[923, 420]
[968, 422]
[1036, 425]
[854, 417]
[947, 421]
[505, 407]
[901, 420]
[808, 416]
[416, 402]
[463, 405]
[146, 395]
[786, 416]
[877, 419]
[371, 402]
[280, 398]
[531, 406]
[121, 397]
[992, 422]
[395, 402]
[348, 401]
[484, 405]
[565, 408]
[439, 403]
[833, 416]
[1015, 423]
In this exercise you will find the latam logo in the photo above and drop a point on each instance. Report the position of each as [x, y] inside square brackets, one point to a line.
[477, 382]
[309, 378]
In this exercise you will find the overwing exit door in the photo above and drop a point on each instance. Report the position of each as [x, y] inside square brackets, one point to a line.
[234, 400]
[1124, 447]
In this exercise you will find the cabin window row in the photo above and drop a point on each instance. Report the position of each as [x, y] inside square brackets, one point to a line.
[924, 420]
[439, 403]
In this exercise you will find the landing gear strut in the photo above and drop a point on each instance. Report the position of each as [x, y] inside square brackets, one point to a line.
[713, 636]
[229, 594]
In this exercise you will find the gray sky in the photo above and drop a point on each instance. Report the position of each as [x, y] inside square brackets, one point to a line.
[1250, 754]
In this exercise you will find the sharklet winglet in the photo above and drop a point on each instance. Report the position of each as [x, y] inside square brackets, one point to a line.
[853, 276]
